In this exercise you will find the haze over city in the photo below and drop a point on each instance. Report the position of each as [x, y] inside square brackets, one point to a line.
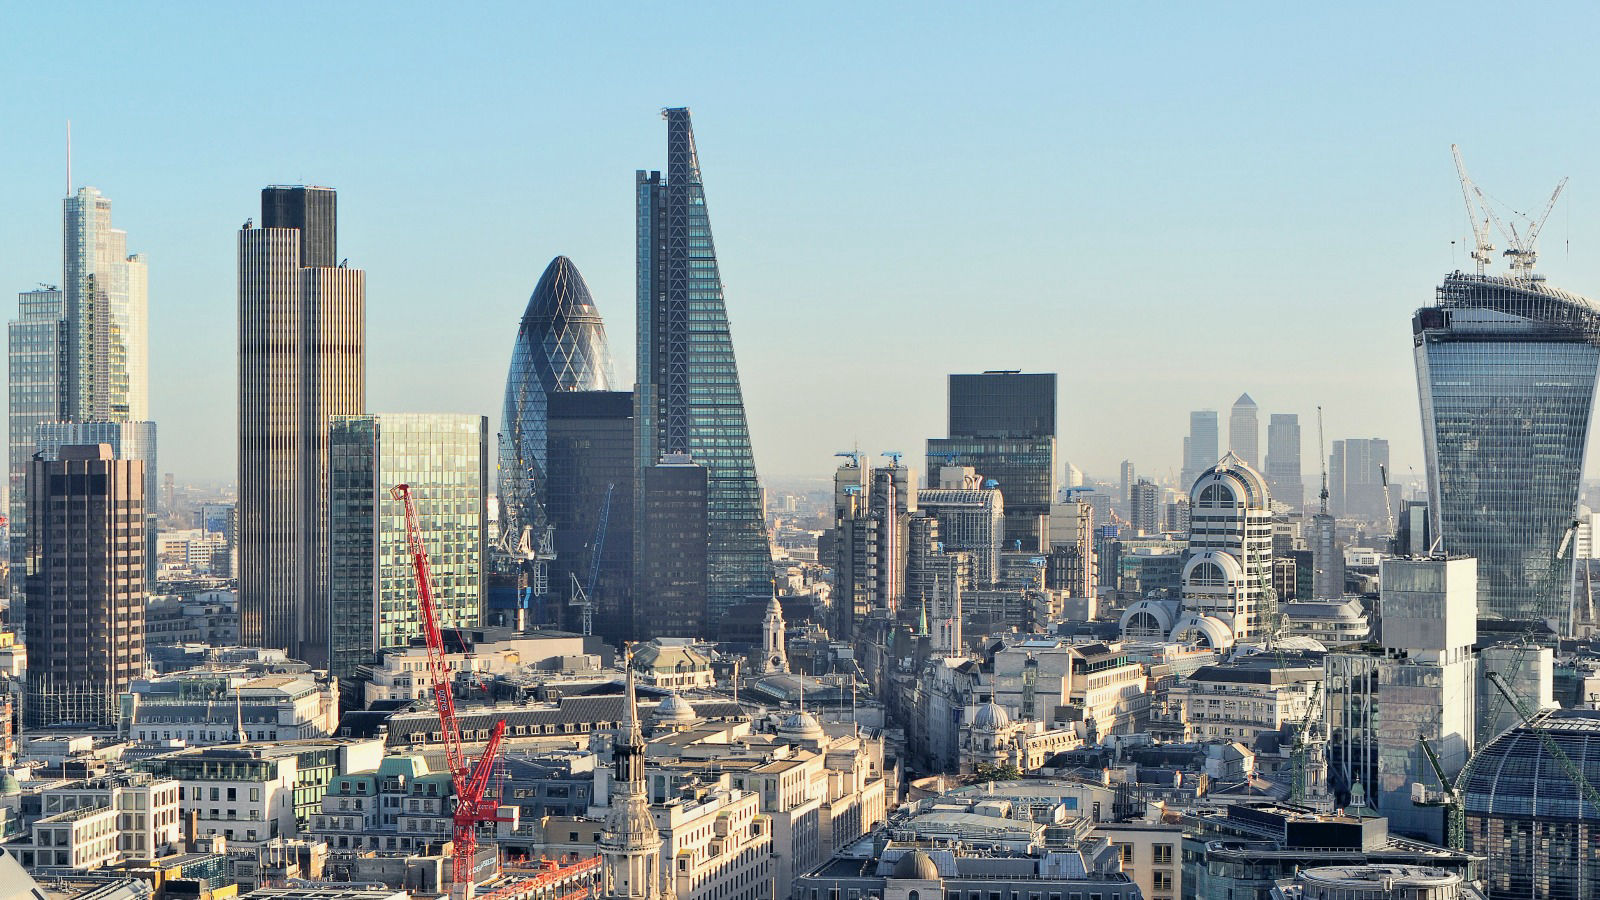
[1167, 211]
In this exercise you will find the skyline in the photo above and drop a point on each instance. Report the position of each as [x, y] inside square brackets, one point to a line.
[1201, 205]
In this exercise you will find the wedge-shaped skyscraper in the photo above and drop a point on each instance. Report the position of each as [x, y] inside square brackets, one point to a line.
[1506, 371]
[688, 390]
[561, 346]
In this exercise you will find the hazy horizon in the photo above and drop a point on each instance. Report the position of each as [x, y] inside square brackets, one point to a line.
[1165, 209]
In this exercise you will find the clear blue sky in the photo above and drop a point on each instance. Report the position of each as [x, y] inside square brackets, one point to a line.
[1167, 204]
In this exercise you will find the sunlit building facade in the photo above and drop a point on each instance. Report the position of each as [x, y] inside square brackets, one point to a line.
[372, 596]
[1506, 372]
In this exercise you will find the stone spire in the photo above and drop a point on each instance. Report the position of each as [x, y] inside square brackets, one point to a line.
[774, 657]
[630, 846]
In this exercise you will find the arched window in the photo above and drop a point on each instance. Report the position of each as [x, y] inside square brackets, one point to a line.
[1216, 496]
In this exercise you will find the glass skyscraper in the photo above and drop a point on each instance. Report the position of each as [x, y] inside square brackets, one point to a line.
[560, 346]
[688, 393]
[372, 589]
[1003, 424]
[1506, 372]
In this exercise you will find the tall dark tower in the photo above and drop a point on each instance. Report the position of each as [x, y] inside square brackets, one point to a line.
[1003, 423]
[688, 393]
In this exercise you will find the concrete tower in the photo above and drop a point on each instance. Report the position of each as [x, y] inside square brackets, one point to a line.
[630, 846]
[1244, 431]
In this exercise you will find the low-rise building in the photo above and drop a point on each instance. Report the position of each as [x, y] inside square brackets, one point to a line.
[399, 806]
[201, 708]
[1238, 702]
[101, 822]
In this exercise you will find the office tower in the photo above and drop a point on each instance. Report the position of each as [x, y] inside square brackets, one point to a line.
[1356, 470]
[105, 299]
[1283, 459]
[892, 497]
[1244, 431]
[971, 519]
[372, 585]
[1200, 447]
[1003, 424]
[127, 440]
[85, 585]
[851, 548]
[688, 393]
[670, 568]
[590, 478]
[1129, 477]
[1227, 569]
[561, 346]
[1144, 505]
[1506, 369]
[1072, 476]
[302, 360]
[1071, 566]
[37, 345]
[1422, 684]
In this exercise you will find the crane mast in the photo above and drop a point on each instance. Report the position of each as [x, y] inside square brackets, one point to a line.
[471, 780]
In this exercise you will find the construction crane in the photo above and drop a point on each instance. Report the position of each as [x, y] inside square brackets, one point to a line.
[1567, 765]
[471, 779]
[583, 595]
[1455, 818]
[893, 456]
[1522, 245]
[1299, 786]
[853, 455]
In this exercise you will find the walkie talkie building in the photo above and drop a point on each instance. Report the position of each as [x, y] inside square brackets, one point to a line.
[1506, 372]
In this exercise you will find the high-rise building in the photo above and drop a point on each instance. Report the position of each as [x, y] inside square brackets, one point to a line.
[1129, 477]
[1003, 424]
[302, 360]
[1283, 459]
[1145, 507]
[1200, 447]
[36, 366]
[1244, 431]
[372, 586]
[971, 519]
[1355, 478]
[1506, 368]
[105, 296]
[892, 491]
[127, 440]
[669, 568]
[688, 395]
[1071, 566]
[590, 479]
[851, 548]
[1227, 571]
[86, 585]
[561, 346]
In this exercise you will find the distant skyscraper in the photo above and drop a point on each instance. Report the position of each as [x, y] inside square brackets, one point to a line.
[127, 440]
[302, 360]
[1072, 476]
[1355, 478]
[1200, 449]
[1244, 431]
[560, 346]
[688, 390]
[971, 519]
[670, 568]
[36, 365]
[1227, 571]
[1506, 369]
[1283, 459]
[372, 587]
[1145, 507]
[590, 475]
[86, 585]
[1003, 424]
[105, 293]
[851, 548]
[1129, 476]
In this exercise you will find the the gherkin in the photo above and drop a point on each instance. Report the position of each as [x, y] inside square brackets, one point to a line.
[561, 346]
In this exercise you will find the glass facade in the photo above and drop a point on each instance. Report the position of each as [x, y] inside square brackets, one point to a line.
[590, 475]
[1528, 817]
[372, 586]
[37, 347]
[1003, 404]
[689, 397]
[560, 346]
[1506, 373]
[1024, 469]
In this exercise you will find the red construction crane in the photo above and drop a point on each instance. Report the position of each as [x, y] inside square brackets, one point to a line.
[471, 781]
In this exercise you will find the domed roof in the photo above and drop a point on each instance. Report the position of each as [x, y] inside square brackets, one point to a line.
[1517, 777]
[918, 865]
[801, 726]
[990, 716]
[1246, 484]
[675, 709]
[9, 785]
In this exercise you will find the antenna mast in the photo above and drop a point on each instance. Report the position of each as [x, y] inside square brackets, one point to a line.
[1322, 451]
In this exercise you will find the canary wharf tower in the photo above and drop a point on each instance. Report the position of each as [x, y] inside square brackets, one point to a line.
[688, 393]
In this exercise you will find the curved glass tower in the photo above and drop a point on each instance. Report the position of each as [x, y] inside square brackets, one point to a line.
[561, 346]
[1506, 373]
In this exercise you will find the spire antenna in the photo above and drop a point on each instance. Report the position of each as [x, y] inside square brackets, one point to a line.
[69, 157]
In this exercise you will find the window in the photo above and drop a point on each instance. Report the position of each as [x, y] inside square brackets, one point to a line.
[1163, 854]
[1125, 852]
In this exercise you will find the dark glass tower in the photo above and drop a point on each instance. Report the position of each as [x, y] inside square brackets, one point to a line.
[1004, 425]
[561, 346]
[314, 211]
[590, 477]
[1506, 371]
[688, 393]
